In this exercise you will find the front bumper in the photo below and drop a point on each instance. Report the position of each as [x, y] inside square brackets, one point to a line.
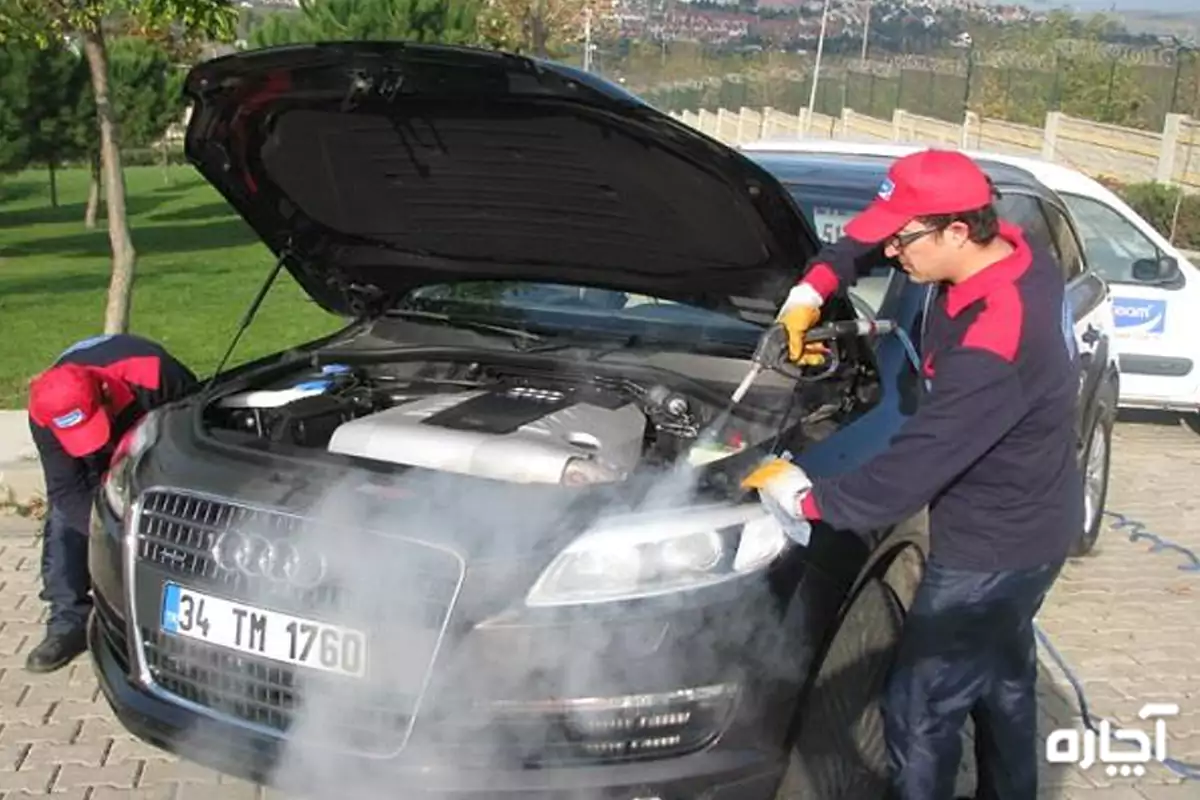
[725, 774]
[1170, 405]
[740, 754]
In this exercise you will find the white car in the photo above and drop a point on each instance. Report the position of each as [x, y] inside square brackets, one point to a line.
[1155, 289]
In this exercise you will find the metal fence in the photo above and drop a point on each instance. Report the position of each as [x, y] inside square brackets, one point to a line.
[1009, 88]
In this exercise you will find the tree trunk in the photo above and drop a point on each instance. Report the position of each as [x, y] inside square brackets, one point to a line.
[94, 193]
[539, 38]
[539, 30]
[53, 185]
[120, 287]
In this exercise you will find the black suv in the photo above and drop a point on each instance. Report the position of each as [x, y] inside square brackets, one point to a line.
[488, 540]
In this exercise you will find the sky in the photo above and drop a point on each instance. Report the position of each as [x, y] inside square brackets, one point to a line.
[1129, 5]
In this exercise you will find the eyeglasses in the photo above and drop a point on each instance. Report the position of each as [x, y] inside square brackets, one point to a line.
[903, 240]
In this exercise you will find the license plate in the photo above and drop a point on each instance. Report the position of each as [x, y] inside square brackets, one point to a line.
[262, 632]
[830, 223]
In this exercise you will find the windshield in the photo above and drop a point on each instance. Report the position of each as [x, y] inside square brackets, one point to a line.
[584, 312]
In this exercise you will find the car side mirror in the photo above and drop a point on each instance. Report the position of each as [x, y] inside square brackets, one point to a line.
[1164, 269]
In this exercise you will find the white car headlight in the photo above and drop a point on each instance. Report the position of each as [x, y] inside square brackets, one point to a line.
[136, 441]
[655, 553]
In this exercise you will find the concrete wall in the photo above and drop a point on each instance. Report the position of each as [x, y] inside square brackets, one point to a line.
[1127, 154]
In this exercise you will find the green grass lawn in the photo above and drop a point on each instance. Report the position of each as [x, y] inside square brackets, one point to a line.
[198, 268]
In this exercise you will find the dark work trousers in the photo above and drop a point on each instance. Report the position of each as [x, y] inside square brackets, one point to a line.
[968, 648]
[66, 583]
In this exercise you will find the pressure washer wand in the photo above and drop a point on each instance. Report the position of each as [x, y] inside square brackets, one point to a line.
[747, 382]
[772, 347]
[772, 352]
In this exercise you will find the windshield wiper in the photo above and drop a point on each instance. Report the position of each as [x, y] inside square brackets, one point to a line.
[605, 346]
[522, 338]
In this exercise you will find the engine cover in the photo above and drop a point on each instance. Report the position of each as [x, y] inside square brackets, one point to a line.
[518, 434]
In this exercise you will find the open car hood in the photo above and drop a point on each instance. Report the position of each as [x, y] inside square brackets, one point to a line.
[376, 167]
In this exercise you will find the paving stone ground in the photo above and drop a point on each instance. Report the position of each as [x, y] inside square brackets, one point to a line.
[1124, 618]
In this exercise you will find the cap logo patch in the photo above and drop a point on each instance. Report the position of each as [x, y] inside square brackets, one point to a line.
[69, 420]
[886, 189]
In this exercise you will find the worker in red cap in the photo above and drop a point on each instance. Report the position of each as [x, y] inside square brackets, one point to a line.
[990, 450]
[79, 409]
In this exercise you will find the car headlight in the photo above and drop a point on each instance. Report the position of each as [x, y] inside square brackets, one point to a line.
[588, 471]
[655, 553]
[136, 441]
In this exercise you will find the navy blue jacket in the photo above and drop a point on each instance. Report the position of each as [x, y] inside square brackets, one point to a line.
[153, 377]
[991, 448]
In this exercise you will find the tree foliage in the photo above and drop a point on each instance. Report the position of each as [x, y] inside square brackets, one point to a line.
[1087, 81]
[42, 120]
[542, 28]
[47, 21]
[88, 23]
[147, 89]
[444, 21]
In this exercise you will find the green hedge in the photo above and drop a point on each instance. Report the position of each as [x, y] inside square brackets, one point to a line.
[1156, 203]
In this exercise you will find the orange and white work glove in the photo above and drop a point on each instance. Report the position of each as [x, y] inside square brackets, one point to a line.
[800, 312]
[781, 482]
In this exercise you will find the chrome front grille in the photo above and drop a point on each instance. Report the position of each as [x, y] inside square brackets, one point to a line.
[176, 533]
[270, 695]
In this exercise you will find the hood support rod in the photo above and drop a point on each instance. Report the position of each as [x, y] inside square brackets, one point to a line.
[249, 316]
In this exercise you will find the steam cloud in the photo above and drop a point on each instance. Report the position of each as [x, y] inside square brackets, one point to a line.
[360, 524]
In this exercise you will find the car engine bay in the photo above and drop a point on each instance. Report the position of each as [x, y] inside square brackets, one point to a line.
[521, 424]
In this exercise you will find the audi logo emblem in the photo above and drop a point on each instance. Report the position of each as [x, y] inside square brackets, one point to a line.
[278, 561]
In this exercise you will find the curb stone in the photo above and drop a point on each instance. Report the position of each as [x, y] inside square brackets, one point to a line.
[20, 489]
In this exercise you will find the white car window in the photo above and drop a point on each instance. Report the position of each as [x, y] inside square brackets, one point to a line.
[1111, 241]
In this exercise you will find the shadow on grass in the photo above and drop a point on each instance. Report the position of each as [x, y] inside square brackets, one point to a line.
[147, 240]
[135, 205]
[177, 186]
[194, 213]
[14, 191]
[72, 283]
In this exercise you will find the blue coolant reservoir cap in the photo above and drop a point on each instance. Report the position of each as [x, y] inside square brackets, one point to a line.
[313, 386]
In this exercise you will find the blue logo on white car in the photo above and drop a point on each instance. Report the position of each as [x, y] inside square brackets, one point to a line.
[1135, 315]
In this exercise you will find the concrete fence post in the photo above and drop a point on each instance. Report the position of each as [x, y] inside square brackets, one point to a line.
[722, 113]
[899, 117]
[971, 121]
[1050, 135]
[1165, 173]
[764, 124]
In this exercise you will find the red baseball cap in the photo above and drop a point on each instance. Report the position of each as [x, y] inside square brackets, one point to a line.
[919, 185]
[69, 400]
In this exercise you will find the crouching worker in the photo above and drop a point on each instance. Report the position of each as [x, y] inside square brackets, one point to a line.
[79, 409]
[991, 450]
